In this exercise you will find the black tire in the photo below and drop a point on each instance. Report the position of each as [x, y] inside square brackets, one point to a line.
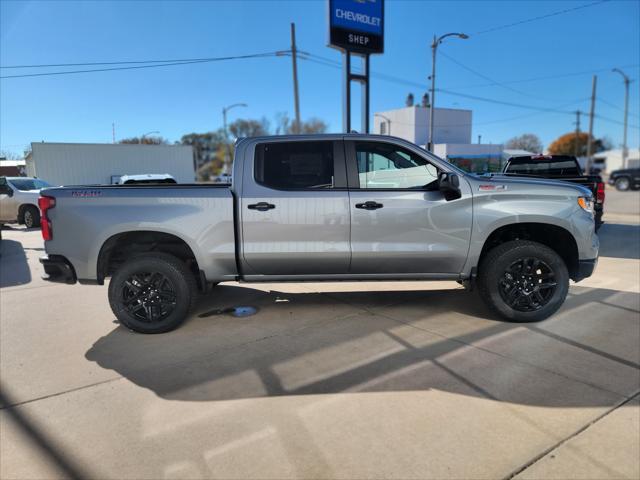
[155, 285]
[523, 281]
[31, 217]
[623, 184]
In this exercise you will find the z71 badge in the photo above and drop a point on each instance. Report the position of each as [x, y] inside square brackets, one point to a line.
[86, 193]
[492, 188]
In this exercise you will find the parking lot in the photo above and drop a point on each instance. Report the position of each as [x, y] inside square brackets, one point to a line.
[336, 380]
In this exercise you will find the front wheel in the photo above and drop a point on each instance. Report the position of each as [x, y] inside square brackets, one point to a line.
[523, 281]
[152, 293]
[622, 184]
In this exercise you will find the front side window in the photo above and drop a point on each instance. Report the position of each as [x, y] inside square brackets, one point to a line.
[295, 165]
[385, 166]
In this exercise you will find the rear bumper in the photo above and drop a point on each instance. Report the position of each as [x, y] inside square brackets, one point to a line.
[585, 269]
[58, 269]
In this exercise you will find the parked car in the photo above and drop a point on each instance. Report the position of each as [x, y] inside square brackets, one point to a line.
[145, 178]
[559, 167]
[626, 179]
[323, 208]
[223, 178]
[19, 200]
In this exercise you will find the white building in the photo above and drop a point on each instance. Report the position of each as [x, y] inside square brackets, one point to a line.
[451, 135]
[612, 159]
[103, 163]
[472, 157]
[412, 123]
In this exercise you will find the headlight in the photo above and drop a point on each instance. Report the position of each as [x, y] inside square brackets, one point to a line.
[586, 203]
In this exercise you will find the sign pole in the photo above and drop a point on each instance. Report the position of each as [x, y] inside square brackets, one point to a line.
[365, 95]
[356, 28]
[346, 92]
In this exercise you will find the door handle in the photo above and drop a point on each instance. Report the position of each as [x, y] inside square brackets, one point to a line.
[262, 206]
[369, 205]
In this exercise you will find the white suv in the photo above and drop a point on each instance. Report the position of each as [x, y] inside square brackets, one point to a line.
[19, 200]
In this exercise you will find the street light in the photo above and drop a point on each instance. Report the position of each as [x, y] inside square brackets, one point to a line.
[388, 120]
[227, 159]
[148, 133]
[627, 81]
[434, 47]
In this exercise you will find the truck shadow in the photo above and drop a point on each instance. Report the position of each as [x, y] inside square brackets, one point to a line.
[14, 269]
[320, 343]
[620, 241]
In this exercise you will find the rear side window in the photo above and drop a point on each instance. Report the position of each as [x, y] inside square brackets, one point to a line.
[544, 167]
[295, 165]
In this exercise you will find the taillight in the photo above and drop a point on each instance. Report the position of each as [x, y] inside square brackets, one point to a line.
[46, 203]
[600, 193]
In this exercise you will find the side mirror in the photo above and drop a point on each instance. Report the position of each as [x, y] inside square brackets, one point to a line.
[449, 185]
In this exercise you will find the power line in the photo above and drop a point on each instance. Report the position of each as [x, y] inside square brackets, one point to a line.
[331, 63]
[501, 102]
[611, 120]
[613, 105]
[153, 65]
[539, 17]
[494, 82]
[547, 77]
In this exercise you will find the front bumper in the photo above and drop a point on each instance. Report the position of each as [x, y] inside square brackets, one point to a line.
[585, 269]
[58, 269]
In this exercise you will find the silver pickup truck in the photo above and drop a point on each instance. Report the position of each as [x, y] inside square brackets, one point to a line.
[322, 207]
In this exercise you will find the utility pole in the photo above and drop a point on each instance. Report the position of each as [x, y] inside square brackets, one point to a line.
[591, 115]
[577, 139]
[296, 98]
[625, 151]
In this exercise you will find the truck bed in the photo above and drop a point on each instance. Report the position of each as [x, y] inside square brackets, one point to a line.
[200, 214]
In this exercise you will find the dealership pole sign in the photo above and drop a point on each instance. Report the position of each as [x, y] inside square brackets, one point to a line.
[357, 25]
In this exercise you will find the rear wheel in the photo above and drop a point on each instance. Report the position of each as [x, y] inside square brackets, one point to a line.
[31, 217]
[623, 184]
[523, 281]
[152, 293]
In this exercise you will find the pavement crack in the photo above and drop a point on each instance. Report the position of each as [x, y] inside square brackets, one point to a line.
[57, 394]
[557, 445]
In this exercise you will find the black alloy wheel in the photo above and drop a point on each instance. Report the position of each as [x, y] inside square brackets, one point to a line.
[528, 284]
[152, 292]
[149, 297]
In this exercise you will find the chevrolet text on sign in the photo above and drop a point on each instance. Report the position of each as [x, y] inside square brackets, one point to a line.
[357, 25]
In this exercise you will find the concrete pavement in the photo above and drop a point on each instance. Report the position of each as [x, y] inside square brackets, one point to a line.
[356, 380]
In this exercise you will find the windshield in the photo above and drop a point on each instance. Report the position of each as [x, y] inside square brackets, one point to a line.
[28, 183]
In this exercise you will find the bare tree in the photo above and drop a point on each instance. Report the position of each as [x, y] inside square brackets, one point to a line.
[145, 140]
[528, 141]
[7, 155]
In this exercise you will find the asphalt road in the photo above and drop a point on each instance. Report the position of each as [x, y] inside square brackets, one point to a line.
[356, 380]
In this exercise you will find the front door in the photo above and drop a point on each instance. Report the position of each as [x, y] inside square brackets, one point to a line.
[400, 222]
[295, 209]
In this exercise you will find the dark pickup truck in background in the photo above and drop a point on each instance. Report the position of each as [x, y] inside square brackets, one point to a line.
[625, 179]
[559, 167]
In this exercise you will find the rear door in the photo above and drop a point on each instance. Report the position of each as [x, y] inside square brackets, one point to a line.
[295, 209]
[400, 221]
